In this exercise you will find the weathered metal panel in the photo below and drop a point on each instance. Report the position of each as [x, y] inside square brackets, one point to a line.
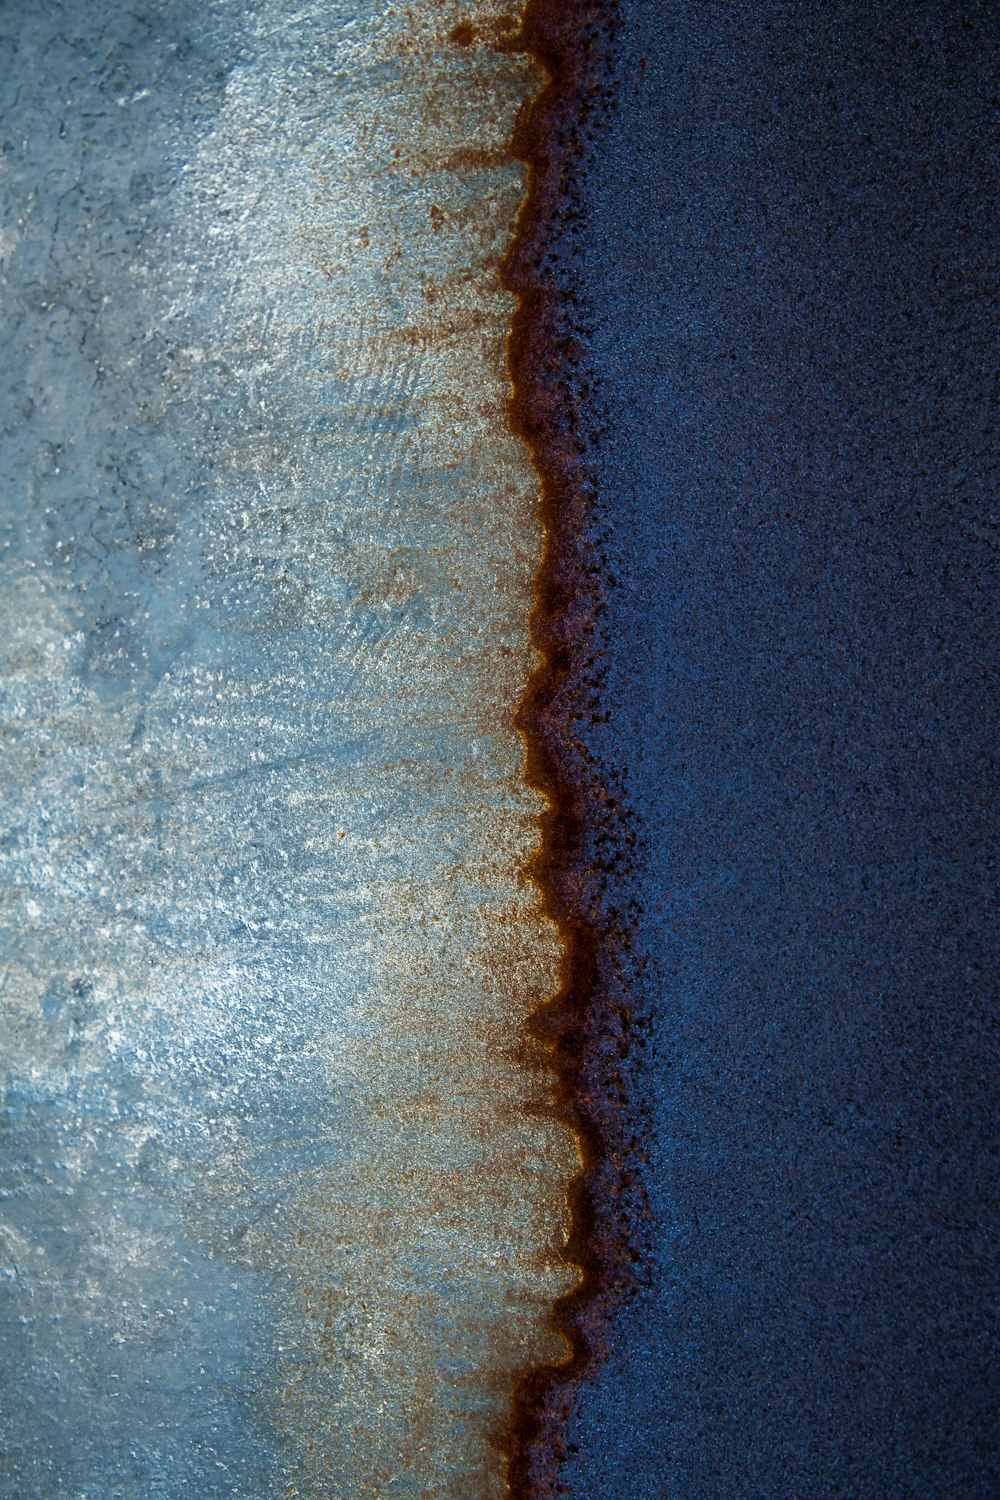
[284, 1204]
[760, 372]
[283, 1197]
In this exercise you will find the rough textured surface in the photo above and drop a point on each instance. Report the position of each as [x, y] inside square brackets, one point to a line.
[282, 1196]
[282, 1205]
[776, 386]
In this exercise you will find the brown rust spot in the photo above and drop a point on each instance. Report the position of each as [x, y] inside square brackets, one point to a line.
[469, 159]
[587, 842]
[493, 31]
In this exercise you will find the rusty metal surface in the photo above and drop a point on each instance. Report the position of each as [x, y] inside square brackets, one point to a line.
[590, 851]
[283, 1197]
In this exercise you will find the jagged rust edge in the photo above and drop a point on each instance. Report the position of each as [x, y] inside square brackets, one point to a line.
[585, 840]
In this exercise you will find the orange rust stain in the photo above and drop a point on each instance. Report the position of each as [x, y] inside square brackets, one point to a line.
[465, 950]
[470, 159]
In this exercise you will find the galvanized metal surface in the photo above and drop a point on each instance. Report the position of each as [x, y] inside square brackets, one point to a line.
[283, 1200]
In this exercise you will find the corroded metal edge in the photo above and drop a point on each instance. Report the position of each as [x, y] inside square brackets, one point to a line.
[589, 839]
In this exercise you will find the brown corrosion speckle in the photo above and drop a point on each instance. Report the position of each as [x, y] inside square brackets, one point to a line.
[587, 1023]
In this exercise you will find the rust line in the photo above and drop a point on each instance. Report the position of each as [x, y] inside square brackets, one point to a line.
[587, 842]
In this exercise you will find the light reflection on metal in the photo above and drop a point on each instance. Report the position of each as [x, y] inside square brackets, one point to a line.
[284, 1196]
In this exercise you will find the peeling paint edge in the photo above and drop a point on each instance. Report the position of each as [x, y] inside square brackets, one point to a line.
[586, 1024]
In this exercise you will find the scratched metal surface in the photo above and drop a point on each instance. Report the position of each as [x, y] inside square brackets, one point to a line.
[281, 1206]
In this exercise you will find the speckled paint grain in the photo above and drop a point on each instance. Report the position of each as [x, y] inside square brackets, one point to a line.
[765, 375]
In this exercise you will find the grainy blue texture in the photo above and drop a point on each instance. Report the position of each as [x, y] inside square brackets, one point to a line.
[786, 248]
[274, 1211]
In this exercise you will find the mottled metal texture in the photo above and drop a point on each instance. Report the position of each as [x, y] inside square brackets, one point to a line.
[587, 861]
[283, 1195]
[760, 379]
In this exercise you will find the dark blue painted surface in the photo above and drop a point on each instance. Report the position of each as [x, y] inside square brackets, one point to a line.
[787, 256]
